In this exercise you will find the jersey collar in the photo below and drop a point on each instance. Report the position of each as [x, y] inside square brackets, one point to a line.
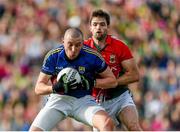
[108, 42]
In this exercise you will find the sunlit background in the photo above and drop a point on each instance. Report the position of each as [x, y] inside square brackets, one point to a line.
[30, 28]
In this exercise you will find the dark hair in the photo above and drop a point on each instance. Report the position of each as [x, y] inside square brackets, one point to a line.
[100, 13]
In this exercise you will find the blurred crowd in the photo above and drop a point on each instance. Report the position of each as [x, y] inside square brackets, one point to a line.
[30, 28]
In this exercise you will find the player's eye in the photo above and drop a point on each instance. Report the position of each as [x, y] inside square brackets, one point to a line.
[94, 24]
[77, 45]
[70, 44]
[103, 24]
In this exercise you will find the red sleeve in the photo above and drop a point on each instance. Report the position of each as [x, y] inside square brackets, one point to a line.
[124, 52]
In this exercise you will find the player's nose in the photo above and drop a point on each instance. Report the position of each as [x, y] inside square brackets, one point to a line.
[73, 49]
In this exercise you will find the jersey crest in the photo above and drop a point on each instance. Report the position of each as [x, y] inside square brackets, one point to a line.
[112, 58]
[81, 69]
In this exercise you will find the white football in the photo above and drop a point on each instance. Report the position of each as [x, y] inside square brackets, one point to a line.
[71, 74]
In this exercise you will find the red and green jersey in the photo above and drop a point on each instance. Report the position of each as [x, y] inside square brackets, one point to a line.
[114, 53]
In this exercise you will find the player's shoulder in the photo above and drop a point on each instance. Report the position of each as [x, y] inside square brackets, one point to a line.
[87, 40]
[118, 45]
[55, 51]
[90, 51]
[117, 41]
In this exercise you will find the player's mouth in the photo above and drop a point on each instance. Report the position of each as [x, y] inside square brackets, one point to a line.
[74, 55]
[98, 32]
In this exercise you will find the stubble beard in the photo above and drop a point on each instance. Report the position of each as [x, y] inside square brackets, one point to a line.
[100, 38]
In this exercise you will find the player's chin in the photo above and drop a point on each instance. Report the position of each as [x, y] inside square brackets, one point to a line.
[73, 57]
[98, 34]
[100, 38]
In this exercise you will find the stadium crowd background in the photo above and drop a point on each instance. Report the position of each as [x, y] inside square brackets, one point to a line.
[151, 28]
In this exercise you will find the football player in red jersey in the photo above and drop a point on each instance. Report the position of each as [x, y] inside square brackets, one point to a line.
[117, 101]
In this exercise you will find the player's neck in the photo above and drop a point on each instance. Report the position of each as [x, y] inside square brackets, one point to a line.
[100, 42]
[100, 45]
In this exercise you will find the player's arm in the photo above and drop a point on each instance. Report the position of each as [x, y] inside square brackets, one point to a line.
[42, 87]
[106, 80]
[131, 72]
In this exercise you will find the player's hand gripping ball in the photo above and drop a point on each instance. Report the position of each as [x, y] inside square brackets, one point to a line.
[68, 78]
[70, 75]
